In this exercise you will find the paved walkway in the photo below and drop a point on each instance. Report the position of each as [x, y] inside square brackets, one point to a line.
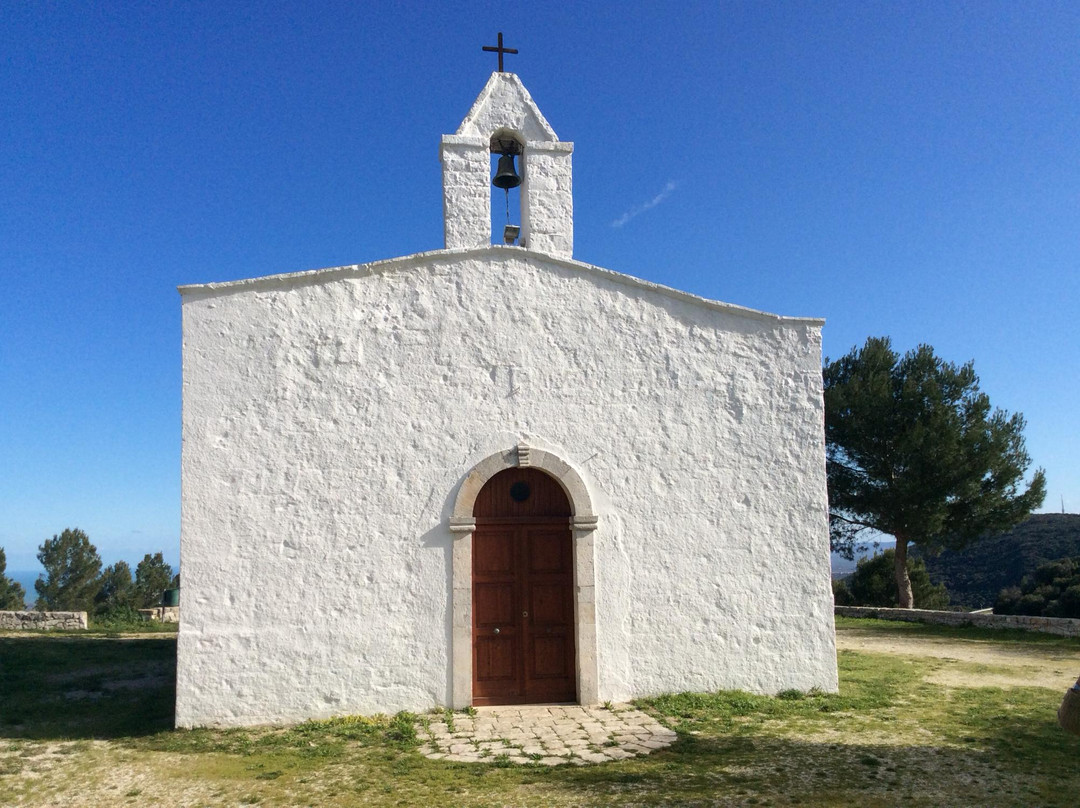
[549, 735]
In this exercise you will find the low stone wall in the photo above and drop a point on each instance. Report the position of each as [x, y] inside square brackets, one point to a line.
[42, 621]
[162, 614]
[1062, 626]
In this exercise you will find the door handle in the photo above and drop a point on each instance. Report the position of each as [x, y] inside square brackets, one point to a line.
[496, 631]
[524, 614]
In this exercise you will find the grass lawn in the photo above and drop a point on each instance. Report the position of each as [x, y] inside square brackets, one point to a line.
[86, 720]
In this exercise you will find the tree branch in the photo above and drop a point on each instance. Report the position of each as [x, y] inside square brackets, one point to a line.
[866, 525]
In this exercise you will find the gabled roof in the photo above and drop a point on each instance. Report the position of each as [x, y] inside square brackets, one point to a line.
[504, 102]
[495, 251]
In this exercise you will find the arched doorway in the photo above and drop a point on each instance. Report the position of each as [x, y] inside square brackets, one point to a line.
[523, 644]
[462, 526]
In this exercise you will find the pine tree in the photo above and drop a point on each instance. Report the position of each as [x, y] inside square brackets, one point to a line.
[914, 451]
[116, 590]
[72, 569]
[12, 595]
[874, 584]
[152, 577]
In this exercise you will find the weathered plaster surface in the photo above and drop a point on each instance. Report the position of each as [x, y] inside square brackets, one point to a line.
[336, 424]
[331, 417]
[505, 103]
[466, 165]
[547, 205]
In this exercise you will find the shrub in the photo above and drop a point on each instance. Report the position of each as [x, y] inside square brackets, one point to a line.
[874, 584]
[1053, 590]
[841, 594]
[119, 618]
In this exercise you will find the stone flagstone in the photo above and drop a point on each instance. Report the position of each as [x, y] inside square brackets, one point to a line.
[545, 735]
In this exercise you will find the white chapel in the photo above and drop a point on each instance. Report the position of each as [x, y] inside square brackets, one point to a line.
[493, 474]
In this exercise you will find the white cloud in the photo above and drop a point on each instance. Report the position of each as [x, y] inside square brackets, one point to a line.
[652, 203]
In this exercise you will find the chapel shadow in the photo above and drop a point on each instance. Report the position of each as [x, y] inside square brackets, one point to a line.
[55, 687]
[441, 540]
[737, 770]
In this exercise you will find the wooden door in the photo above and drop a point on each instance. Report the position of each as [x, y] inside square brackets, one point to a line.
[523, 595]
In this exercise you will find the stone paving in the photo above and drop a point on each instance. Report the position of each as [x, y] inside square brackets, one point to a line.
[546, 734]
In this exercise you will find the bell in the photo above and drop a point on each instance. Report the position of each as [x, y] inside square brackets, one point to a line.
[505, 175]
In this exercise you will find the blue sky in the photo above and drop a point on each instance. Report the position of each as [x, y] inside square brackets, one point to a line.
[907, 169]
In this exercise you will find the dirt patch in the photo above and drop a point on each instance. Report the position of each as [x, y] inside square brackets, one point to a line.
[152, 673]
[974, 663]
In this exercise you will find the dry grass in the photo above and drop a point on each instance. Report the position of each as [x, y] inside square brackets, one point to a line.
[84, 722]
[979, 661]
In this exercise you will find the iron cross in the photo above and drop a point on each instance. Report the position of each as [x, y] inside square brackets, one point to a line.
[500, 50]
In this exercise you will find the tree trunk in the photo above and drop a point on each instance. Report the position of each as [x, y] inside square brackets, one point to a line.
[903, 582]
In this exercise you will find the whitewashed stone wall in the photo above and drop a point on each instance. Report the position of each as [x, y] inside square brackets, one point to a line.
[466, 165]
[547, 204]
[42, 621]
[330, 417]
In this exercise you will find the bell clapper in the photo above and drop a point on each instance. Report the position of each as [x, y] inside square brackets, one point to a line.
[506, 177]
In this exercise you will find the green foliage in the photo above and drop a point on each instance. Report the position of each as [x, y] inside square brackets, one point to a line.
[72, 566]
[124, 617]
[1053, 590]
[914, 451]
[874, 584]
[116, 591]
[402, 730]
[841, 594]
[974, 576]
[152, 577]
[124, 623]
[12, 595]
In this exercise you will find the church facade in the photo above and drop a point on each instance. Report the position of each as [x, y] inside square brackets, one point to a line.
[492, 474]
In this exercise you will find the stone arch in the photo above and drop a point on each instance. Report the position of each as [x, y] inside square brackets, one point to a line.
[583, 523]
[504, 134]
[523, 456]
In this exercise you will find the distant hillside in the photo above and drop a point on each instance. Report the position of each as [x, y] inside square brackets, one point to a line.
[976, 575]
[841, 567]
